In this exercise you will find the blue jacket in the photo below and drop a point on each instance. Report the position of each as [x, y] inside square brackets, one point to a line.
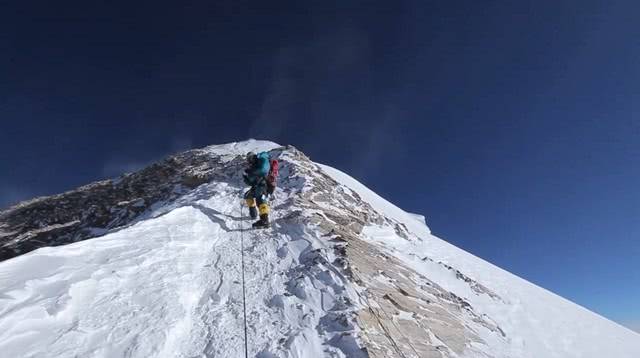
[259, 170]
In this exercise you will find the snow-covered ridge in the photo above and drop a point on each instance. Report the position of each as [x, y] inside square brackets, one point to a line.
[98, 207]
[242, 148]
[537, 322]
[343, 273]
[415, 223]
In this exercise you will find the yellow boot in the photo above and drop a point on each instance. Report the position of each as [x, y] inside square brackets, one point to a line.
[264, 217]
[253, 210]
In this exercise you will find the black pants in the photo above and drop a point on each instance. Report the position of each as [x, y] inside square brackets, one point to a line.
[258, 195]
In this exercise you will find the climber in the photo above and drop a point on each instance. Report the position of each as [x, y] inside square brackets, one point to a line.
[255, 175]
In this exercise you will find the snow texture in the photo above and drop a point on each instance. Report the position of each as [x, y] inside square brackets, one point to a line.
[342, 273]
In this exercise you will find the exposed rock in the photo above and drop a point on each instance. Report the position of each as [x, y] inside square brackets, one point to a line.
[94, 209]
[399, 313]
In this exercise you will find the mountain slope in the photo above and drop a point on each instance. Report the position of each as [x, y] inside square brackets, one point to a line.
[535, 322]
[343, 273]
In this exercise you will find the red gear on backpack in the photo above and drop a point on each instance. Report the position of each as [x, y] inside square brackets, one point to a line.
[272, 177]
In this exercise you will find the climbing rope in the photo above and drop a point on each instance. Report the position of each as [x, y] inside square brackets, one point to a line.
[244, 301]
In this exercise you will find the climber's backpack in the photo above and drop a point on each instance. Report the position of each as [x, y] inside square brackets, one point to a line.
[272, 177]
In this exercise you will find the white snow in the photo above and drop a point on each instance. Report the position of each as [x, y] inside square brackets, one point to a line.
[108, 297]
[242, 148]
[537, 322]
[415, 223]
[170, 286]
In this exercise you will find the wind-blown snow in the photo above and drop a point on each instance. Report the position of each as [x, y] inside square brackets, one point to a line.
[115, 296]
[171, 285]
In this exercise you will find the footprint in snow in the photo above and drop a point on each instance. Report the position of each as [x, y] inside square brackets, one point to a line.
[282, 251]
[276, 302]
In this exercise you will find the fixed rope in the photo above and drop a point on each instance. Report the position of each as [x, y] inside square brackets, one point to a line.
[244, 301]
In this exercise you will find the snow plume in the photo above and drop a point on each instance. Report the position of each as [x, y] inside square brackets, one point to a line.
[325, 88]
[118, 165]
[382, 143]
[304, 80]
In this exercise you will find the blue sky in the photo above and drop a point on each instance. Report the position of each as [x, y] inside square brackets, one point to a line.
[512, 126]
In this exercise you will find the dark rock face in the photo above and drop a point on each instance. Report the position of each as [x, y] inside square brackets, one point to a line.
[97, 208]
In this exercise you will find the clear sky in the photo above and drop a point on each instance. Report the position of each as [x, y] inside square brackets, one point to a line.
[513, 126]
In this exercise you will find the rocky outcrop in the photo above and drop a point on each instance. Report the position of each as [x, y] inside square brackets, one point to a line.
[97, 208]
[390, 310]
[400, 313]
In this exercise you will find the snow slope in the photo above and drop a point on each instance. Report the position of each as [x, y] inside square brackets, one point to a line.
[170, 286]
[322, 283]
[166, 287]
[540, 323]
